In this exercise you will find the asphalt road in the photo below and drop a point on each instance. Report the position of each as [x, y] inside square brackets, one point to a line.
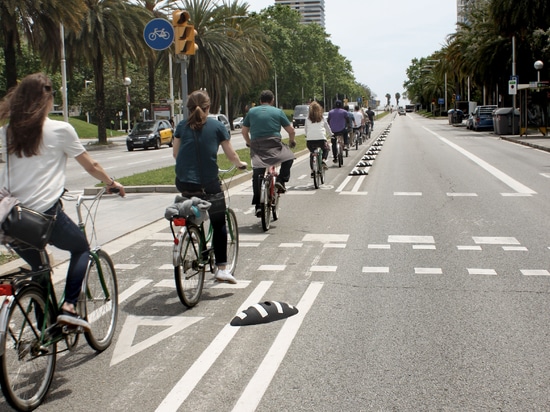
[421, 282]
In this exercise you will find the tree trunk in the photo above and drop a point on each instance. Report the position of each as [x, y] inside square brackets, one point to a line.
[100, 99]
[10, 60]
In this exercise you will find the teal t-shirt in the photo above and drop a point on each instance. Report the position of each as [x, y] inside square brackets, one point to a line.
[265, 121]
[193, 163]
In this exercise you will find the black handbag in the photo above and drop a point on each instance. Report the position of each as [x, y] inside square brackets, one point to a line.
[28, 226]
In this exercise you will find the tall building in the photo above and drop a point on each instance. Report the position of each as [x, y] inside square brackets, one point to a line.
[462, 7]
[312, 11]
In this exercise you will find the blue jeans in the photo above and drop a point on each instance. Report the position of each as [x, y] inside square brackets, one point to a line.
[65, 236]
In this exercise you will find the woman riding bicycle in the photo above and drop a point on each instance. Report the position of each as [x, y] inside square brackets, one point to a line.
[317, 129]
[38, 148]
[196, 142]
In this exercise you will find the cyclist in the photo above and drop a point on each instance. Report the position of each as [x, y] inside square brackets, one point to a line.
[38, 148]
[371, 115]
[316, 130]
[359, 119]
[262, 132]
[339, 123]
[195, 148]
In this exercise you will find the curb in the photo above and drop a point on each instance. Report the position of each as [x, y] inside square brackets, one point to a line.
[533, 145]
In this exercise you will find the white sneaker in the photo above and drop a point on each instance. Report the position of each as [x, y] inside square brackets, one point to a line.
[224, 275]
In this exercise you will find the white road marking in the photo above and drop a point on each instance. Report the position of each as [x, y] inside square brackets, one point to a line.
[504, 178]
[335, 245]
[410, 239]
[194, 374]
[163, 244]
[323, 268]
[124, 347]
[515, 248]
[371, 246]
[428, 271]
[291, 245]
[495, 240]
[276, 268]
[407, 193]
[325, 238]
[478, 271]
[376, 269]
[423, 247]
[468, 247]
[542, 272]
[461, 194]
[256, 388]
[125, 266]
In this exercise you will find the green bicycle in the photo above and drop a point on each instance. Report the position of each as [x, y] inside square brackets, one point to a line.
[29, 333]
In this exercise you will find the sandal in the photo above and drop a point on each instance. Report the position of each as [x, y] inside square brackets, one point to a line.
[72, 319]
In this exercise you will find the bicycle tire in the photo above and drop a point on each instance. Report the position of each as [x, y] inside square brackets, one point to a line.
[189, 273]
[340, 158]
[275, 206]
[356, 141]
[232, 240]
[321, 170]
[100, 301]
[315, 169]
[27, 366]
[266, 202]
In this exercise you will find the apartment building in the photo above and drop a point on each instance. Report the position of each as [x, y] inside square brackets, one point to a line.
[312, 11]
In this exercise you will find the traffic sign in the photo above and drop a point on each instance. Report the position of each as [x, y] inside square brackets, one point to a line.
[512, 87]
[158, 34]
[441, 100]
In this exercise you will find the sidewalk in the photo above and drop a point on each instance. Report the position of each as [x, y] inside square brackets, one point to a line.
[536, 141]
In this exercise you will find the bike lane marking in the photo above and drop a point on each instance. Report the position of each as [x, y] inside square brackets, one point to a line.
[503, 177]
[255, 390]
[204, 362]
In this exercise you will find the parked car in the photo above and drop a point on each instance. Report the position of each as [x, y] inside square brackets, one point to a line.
[483, 117]
[238, 123]
[300, 115]
[150, 133]
[401, 111]
[223, 119]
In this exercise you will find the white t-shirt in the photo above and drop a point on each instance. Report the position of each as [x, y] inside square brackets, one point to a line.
[358, 118]
[38, 181]
[317, 131]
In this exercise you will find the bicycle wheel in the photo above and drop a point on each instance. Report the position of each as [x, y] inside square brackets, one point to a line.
[356, 141]
[232, 240]
[100, 300]
[189, 273]
[315, 168]
[275, 205]
[340, 156]
[266, 202]
[321, 168]
[27, 364]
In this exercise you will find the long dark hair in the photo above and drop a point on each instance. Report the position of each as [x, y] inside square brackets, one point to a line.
[198, 103]
[25, 109]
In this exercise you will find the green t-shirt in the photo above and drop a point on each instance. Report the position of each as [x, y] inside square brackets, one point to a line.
[265, 121]
[190, 159]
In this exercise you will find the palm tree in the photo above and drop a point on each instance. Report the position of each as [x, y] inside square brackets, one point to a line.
[388, 97]
[232, 53]
[397, 97]
[110, 30]
[34, 21]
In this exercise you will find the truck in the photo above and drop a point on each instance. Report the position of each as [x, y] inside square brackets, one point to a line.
[409, 108]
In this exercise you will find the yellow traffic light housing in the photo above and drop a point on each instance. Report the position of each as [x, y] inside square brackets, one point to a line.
[184, 32]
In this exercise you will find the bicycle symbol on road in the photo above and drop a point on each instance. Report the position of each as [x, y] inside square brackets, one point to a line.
[160, 33]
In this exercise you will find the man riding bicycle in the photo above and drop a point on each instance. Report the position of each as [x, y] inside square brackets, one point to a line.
[264, 123]
[359, 118]
[339, 123]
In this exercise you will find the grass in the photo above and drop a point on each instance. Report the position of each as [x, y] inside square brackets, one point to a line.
[87, 130]
[166, 175]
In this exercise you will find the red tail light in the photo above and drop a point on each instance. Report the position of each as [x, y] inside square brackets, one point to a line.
[6, 289]
[179, 221]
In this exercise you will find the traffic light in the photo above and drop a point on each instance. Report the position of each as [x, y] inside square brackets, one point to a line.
[184, 32]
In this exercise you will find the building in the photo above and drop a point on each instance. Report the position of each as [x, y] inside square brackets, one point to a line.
[462, 8]
[312, 11]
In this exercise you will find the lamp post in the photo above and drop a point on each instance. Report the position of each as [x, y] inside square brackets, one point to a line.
[86, 83]
[120, 113]
[538, 67]
[128, 82]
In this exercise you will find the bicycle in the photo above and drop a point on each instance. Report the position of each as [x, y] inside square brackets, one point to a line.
[357, 139]
[269, 198]
[193, 252]
[29, 333]
[340, 147]
[317, 167]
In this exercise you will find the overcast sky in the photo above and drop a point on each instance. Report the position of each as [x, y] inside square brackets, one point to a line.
[381, 37]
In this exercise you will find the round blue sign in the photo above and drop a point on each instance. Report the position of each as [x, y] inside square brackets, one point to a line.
[158, 34]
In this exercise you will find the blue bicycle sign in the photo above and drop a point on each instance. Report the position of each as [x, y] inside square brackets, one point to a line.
[158, 34]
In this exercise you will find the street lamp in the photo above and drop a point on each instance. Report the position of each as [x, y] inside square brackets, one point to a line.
[86, 83]
[538, 67]
[128, 82]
